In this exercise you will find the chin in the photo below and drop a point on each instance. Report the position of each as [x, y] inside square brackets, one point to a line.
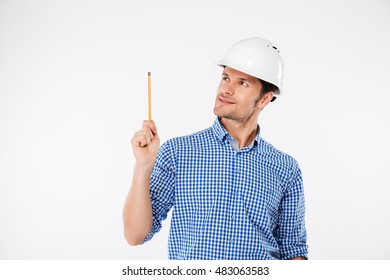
[216, 112]
[219, 114]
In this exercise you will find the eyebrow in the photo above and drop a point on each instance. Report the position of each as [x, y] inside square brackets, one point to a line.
[239, 78]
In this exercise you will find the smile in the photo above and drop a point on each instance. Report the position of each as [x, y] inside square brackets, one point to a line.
[225, 101]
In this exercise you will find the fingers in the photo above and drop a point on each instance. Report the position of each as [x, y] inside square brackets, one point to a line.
[151, 125]
[145, 135]
[142, 138]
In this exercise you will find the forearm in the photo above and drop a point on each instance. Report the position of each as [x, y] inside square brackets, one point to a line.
[137, 211]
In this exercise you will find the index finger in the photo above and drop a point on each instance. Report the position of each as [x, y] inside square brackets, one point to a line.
[151, 125]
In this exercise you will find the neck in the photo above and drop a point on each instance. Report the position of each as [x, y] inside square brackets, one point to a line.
[243, 132]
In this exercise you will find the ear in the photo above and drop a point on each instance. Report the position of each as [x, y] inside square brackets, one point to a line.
[265, 100]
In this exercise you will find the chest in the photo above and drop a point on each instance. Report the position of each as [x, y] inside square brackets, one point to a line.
[205, 180]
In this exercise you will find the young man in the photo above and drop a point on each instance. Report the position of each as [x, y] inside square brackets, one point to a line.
[234, 196]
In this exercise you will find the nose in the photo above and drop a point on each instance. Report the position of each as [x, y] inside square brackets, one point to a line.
[228, 89]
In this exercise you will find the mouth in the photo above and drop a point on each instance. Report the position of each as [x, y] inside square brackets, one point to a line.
[225, 101]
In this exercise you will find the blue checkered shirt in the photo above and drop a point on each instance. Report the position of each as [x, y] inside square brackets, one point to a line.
[228, 204]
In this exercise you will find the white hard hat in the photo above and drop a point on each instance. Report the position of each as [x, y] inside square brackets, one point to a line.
[256, 57]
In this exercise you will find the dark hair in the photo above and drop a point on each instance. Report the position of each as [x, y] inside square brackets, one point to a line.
[267, 87]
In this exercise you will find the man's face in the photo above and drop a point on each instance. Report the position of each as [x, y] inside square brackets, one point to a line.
[238, 95]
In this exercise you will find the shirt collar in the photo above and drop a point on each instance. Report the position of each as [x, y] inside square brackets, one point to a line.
[222, 134]
[219, 130]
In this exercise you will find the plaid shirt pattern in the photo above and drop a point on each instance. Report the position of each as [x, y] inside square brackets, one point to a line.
[228, 204]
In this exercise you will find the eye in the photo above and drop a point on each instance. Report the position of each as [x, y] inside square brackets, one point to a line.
[243, 83]
[224, 78]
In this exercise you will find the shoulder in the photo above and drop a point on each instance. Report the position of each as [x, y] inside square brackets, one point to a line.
[175, 148]
[195, 140]
[282, 162]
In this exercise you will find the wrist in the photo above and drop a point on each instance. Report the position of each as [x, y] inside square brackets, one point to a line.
[143, 167]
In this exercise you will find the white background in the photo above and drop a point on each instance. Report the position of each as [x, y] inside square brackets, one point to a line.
[73, 84]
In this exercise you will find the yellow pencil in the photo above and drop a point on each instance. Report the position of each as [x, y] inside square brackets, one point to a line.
[149, 96]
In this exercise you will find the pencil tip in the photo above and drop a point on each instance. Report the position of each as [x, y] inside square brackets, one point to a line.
[149, 73]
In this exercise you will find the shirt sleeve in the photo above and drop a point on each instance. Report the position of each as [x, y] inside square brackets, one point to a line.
[291, 232]
[162, 187]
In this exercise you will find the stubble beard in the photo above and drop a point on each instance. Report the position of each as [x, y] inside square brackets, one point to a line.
[233, 114]
[220, 113]
[226, 115]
